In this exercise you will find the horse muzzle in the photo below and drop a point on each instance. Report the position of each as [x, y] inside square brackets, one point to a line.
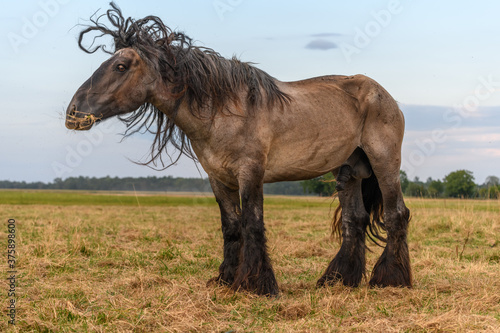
[79, 120]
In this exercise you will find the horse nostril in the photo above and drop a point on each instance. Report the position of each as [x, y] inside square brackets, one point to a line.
[73, 110]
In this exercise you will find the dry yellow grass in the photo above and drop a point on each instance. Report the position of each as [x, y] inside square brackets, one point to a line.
[122, 269]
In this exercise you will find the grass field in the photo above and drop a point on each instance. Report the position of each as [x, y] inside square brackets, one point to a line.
[115, 262]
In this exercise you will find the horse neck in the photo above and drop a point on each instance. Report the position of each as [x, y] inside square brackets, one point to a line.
[194, 127]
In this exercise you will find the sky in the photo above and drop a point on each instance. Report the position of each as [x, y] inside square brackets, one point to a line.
[438, 59]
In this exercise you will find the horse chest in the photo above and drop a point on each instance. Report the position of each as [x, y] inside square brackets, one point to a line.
[218, 164]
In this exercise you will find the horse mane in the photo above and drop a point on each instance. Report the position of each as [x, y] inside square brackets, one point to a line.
[199, 76]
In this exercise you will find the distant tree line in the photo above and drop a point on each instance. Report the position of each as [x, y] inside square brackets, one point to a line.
[457, 184]
[166, 184]
[116, 184]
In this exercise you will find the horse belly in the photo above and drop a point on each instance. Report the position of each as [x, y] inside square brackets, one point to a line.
[306, 160]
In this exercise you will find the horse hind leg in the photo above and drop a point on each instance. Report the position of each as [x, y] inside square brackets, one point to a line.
[381, 139]
[393, 266]
[348, 265]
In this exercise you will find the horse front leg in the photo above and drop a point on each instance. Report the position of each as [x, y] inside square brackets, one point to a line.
[255, 272]
[229, 204]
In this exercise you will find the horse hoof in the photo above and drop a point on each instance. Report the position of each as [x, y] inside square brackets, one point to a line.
[395, 279]
[345, 267]
[329, 280]
[270, 291]
[334, 278]
[263, 287]
[389, 272]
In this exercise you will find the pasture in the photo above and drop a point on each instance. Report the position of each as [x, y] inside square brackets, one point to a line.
[115, 262]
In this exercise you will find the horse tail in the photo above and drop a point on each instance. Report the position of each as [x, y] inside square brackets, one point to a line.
[373, 202]
[374, 205]
[337, 220]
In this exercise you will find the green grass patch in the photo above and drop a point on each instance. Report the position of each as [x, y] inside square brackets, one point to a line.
[93, 198]
[83, 198]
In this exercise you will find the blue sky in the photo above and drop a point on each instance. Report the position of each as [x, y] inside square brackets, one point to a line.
[439, 60]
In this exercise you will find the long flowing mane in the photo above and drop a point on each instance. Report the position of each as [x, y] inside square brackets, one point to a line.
[199, 76]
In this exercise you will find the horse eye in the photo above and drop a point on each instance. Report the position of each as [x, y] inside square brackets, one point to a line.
[121, 68]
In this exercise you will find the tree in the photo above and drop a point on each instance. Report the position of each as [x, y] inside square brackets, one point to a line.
[415, 190]
[490, 192]
[403, 179]
[492, 181]
[435, 189]
[491, 188]
[323, 186]
[459, 184]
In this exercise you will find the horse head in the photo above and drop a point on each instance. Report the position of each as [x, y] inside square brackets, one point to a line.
[120, 85]
[126, 81]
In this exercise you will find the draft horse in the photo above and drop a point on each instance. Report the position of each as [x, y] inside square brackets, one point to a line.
[246, 128]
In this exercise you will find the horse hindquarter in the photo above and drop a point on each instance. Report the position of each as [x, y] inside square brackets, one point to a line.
[381, 141]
